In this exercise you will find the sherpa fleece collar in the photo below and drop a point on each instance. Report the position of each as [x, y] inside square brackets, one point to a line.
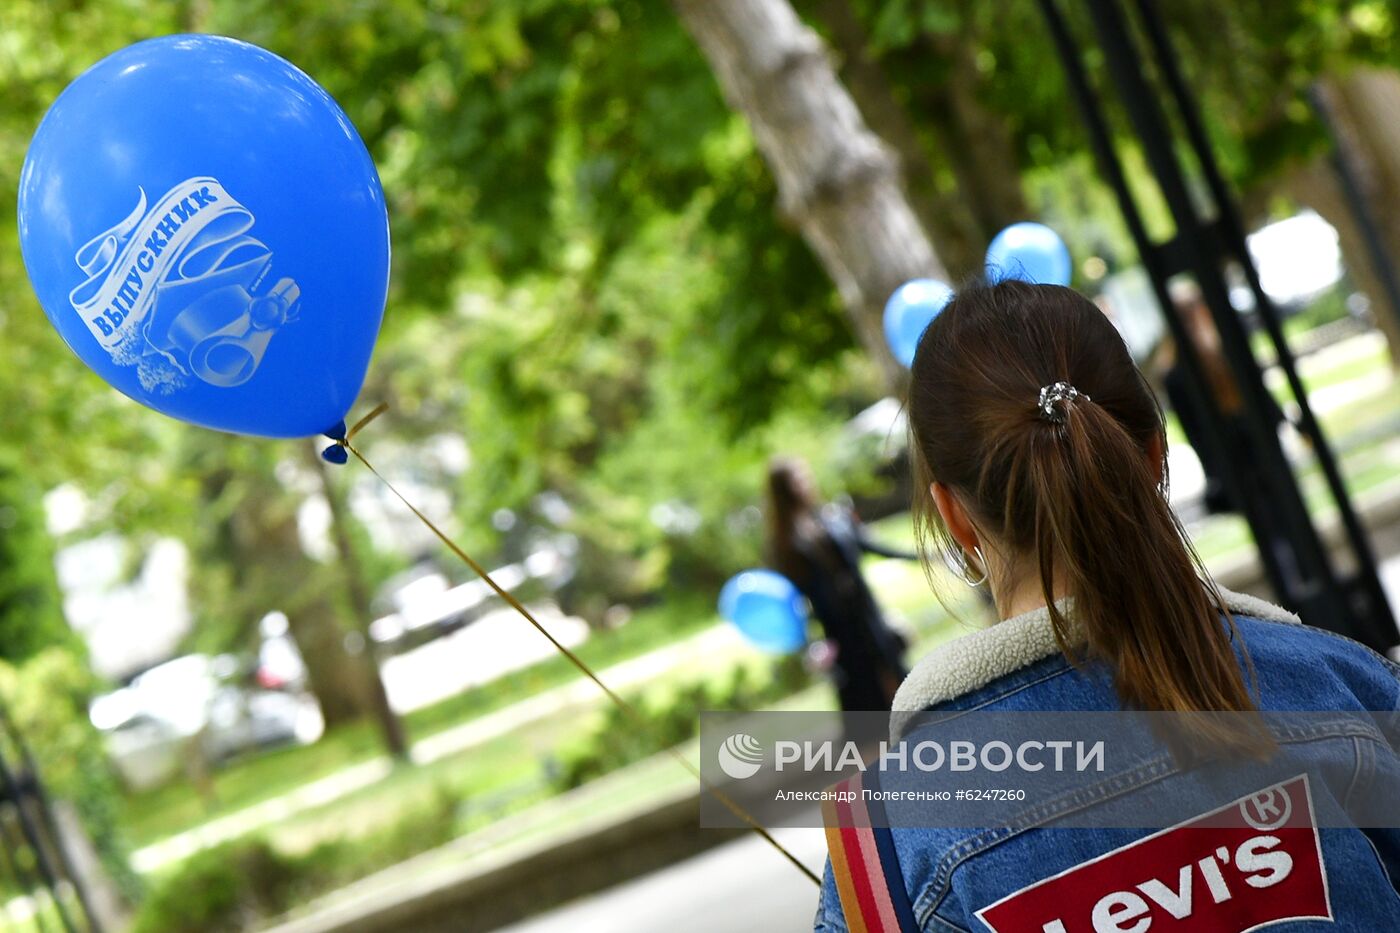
[975, 660]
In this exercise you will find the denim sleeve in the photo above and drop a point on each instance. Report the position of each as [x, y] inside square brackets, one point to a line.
[1386, 773]
[830, 918]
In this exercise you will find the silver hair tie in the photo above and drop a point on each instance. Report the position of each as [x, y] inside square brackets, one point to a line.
[1057, 392]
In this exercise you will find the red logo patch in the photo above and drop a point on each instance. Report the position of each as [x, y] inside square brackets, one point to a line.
[1253, 862]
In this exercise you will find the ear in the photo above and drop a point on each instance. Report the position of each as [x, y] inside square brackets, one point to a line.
[1155, 460]
[955, 517]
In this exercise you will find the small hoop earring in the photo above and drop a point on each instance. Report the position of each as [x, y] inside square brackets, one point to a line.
[961, 567]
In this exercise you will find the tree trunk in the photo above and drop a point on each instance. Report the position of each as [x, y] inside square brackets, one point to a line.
[977, 142]
[836, 181]
[267, 550]
[358, 595]
[1314, 184]
[957, 238]
[1364, 108]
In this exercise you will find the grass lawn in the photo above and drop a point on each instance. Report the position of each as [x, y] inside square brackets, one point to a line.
[650, 628]
[504, 775]
[150, 816]
[492, 780]
[1368, 356]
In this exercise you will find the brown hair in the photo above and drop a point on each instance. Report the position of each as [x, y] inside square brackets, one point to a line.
[1075, 495]
[792, 509]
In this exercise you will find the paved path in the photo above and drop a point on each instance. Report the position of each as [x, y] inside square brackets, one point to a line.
[739, 887]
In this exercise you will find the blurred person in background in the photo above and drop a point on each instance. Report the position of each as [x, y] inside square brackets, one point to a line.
[1193, 312]
[819, 547]
[1224, 391]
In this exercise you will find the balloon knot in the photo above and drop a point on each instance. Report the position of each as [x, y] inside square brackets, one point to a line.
[339, 451]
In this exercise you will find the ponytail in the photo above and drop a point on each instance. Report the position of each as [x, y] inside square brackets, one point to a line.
[1141, 600]
[1075, 491]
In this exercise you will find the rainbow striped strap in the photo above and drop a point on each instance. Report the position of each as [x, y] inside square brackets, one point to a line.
[863, 860]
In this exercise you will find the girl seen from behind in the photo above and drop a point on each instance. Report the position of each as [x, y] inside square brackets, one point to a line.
[1040, 462]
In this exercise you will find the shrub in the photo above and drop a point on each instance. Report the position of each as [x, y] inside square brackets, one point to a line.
[224, 890]
[245, 884]
[671, 719]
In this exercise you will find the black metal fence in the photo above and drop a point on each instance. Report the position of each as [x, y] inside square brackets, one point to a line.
[39, 889]
[1162, 118]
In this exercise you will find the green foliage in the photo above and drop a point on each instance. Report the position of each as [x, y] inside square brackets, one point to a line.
[224, 889]
[672, 716]
[1257, 65]
[47, 700]
[589, 271]
[31, 614]
[243, 885]
[587, 267]
[68, 425]
[1251, 66]
[1326, 308]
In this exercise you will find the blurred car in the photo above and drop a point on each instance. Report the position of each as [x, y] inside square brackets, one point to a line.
[243, 719]
[197, 704]
[426, 606]
[145, 751]
[280, 666]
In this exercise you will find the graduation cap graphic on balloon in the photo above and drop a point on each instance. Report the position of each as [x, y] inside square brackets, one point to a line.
[217, 324]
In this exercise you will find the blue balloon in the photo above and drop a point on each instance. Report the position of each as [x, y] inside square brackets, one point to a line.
[1030, 252]
[767, 609]
[206, 231]
[908, 313]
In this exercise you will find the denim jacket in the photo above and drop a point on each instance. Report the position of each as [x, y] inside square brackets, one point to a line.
[1046, 879]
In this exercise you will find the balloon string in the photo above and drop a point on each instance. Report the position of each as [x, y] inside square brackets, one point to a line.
[574, 659]
[379, 409]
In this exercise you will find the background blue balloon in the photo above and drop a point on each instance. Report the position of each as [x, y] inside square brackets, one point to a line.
[767, 609]
[910, 310]
[1030, 252]
[205, 229]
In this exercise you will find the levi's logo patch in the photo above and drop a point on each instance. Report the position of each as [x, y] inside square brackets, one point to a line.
[1253, 862]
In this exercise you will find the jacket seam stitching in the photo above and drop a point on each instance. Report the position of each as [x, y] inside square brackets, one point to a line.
[1391, 667]
[1394, 888]
[955, 713]
[942, 924]
[1026, 686]
[930, 911]
[1363, 760]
